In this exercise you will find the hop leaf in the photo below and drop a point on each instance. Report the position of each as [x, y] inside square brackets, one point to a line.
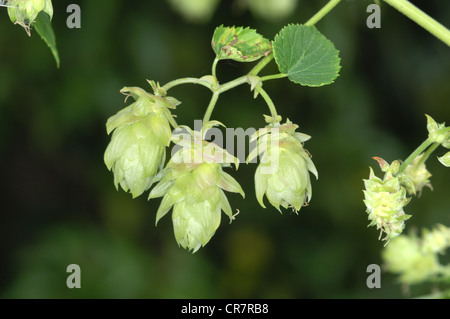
[239, 44]
[306, 56]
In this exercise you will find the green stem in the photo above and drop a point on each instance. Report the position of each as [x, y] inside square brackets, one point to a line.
[273, 77]
[428, 153]
[261, 64]
[414, 154]
[322, 12]
[210, 108]
[422, 19]
[232, 84]
[270, 104]
[214, 65]
[173, 83]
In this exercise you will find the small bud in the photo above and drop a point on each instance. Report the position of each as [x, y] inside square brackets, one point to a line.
[417, 173]
[385, 200]
[283, 172]
[25, 12]
[193, 183]
[138, 145]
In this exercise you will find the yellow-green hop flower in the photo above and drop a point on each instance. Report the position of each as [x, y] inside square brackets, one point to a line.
[25, 12]
[138, 145]
[418, 174]
[283, 172]
[436, 240]
[193, 184]
[404, 255]
[385, 199]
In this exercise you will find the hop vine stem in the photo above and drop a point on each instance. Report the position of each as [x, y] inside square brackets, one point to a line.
[422, 147]
[422, 19]
[403, 6]
[322, 12]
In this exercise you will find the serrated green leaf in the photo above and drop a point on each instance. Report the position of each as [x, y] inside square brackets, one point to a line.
[239, 44]
[44, 28]
[306, 55]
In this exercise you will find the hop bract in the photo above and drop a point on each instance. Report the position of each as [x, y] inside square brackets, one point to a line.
[25, 12]
[445, 160]
[385, 199]
[138, 145]
[283, 172]
[193, 184]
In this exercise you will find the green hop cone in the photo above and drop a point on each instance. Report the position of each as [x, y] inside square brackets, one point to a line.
[417, 173]
[385, 199]
[141, 134]
[283, 172]
[193, 184]
[25, 12]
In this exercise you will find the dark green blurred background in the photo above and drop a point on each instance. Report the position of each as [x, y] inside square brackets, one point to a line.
[58, 201]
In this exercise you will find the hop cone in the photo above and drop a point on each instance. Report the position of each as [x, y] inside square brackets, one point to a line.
[193, 184]
[25, 12]
[283, 172]
[138, 145]
[385, 199]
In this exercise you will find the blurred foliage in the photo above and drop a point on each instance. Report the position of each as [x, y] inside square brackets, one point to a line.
[59, 204]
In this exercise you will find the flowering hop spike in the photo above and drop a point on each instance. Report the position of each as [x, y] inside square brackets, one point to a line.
[283, 172]
[417, 173]
[415, 258]
[138, 145]
[404, 256]
[385, 199]
[436, 240]
[25, 12]
[193, 184]
[437, 132]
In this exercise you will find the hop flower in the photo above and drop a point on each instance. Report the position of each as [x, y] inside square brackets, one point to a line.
[418, 174]
[385, 199]
[436, 240]
[405, 257]
[25, 12]
[283, 172]
[193, 183]
[416, 259]
[141, 134]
